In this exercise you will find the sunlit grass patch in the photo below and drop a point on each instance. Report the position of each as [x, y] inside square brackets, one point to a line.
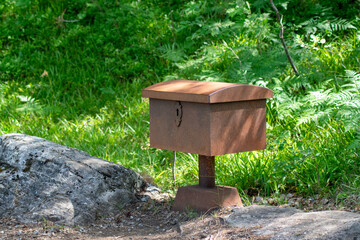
[79, 84]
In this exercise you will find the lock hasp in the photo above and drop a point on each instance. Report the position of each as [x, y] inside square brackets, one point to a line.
[216, 118]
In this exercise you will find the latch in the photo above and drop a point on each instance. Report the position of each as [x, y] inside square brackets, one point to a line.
[179, 113]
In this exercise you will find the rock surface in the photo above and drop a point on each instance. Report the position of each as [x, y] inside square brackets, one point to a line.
[42, 179]
[289, 223]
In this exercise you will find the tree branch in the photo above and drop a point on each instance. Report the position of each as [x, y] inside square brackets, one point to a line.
[281, 36]
[172, 23]
[235, 55]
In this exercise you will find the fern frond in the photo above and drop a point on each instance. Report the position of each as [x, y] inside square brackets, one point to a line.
[340, 25]
[173, 54]
[352, 75]
[312, 25]
[324, 104]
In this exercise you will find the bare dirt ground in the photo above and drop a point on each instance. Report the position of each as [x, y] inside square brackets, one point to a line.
[155, 220]
[150, 220]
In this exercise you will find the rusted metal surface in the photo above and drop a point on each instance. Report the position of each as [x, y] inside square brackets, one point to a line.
[191, 136]
[237, 127]
[208, 129]
[206, 171]
[205, 92]
[205, 199]
[178, 113]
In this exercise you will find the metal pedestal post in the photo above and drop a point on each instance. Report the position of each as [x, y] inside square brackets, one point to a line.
[206, 171]
[206, 196]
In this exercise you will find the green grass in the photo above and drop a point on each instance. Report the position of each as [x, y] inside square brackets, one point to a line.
[79, 84]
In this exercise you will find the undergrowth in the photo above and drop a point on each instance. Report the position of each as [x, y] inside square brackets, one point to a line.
[72, 72]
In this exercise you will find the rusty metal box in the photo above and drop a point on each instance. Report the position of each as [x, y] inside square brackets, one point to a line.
[207, 118]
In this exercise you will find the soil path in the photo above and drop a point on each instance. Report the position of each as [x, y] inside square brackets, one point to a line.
[150, 220]
[156, 220]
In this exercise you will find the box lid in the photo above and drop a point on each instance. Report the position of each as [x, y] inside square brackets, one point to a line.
[205, 92]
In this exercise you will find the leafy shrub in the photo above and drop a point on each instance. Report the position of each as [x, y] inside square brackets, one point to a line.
[73, 71]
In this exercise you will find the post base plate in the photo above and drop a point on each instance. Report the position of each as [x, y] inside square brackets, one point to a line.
[206, 199]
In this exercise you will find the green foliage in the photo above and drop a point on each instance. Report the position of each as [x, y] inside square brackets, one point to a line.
[73, 71]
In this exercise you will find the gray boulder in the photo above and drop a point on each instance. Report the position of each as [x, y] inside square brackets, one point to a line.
[42, 179]
[289, 223]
